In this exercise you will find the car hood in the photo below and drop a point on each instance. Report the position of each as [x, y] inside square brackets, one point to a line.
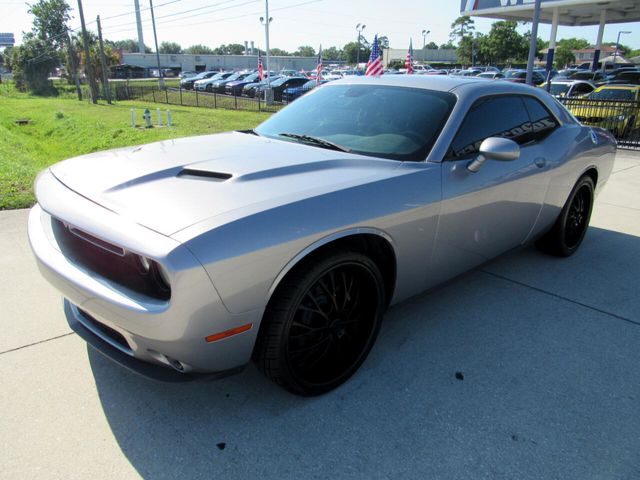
[170, 185]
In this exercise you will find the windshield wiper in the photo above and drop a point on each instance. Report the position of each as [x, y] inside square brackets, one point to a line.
[250, 132]
[320, 142]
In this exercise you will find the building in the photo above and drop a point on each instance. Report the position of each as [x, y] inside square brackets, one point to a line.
[587, 54]
[426, 55]
[200, 63]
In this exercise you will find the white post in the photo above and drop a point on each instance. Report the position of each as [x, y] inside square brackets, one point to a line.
[596, 54]
[159, 117]
[168, 118]
[133, 118]
[552, 47]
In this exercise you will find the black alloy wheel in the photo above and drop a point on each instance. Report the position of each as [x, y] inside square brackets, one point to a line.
[571, 226]
[321, 324]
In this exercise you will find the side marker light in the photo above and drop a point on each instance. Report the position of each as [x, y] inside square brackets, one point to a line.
[228, 333]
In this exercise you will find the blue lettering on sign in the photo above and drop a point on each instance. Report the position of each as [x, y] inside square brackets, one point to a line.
[477, 5]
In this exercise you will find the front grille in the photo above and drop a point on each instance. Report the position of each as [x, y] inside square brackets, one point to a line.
[108, 332]
[110, 261]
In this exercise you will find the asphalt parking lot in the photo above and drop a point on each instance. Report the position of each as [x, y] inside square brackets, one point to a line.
[525, 369]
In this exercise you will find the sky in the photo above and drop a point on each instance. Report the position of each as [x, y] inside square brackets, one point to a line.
[295, 22]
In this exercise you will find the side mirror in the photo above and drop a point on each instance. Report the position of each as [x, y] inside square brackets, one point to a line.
[495, 148]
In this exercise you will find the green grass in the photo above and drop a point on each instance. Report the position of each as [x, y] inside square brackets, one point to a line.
[61, 128]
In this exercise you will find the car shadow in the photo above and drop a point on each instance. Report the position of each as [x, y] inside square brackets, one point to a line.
[517, 370]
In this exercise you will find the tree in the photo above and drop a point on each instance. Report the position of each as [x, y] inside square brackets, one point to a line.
[50, 19]
[332, 53]
[170, 47]
[504, 44]
[41, 49]
[128, 46]
[198, 50]
[110, 53]
[231, 49]
[431, 46]
[564, 55]
[383, 41]
[277, 52]
[462, 27]
[350, 52]
[31, 66]
[447, 46]
[305, 51]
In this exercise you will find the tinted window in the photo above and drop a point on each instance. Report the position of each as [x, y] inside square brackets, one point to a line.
[503, 116]
[582, 88]
[384, 121]
[559, 88]
[542, 122]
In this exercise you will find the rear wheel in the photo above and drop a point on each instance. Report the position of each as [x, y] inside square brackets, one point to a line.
[321, 323]
[568, 232]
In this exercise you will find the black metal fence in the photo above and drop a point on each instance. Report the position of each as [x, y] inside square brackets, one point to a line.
[193, 98]
[620, 117]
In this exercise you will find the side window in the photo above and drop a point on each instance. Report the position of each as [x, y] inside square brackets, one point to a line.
[542, 122]
[581, 89]
[503, 116]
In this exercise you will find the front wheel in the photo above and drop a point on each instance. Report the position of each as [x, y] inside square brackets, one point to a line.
[568, 232]
[321, 323]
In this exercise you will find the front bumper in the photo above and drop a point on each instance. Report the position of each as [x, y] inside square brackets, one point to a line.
[168, 333]
[149, 370]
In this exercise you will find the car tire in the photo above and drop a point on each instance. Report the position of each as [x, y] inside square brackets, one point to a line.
[571, 226]
[321, 323]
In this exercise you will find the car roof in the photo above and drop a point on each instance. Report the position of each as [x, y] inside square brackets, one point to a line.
[571, 81]
[619, 87]
[440, 83]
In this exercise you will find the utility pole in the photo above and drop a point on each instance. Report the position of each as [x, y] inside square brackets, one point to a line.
[155, 39]
[74, 66]
[87, 57]
[359, 29]
[103, 61]
[136, 4]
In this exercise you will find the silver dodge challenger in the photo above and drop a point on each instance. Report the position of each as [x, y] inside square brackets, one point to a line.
[285, 244]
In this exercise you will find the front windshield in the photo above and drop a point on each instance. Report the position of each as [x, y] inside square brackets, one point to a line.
[382, 121]
[612, 94]
[581, 75]
[251, 78]
[559, 88]
[512, 74]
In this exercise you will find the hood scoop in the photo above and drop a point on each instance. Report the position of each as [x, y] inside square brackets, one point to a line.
[204, 174]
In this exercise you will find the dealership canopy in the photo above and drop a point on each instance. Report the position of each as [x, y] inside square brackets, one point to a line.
[569, 12]
[557, 12]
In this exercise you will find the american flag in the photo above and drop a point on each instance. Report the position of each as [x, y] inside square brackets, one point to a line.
[408, 63]
[260, 67]
[319, 67]
[374, 65]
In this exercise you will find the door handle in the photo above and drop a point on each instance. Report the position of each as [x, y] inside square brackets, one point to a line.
[540, 162]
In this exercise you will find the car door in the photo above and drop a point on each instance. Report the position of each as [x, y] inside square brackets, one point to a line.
[486, 213]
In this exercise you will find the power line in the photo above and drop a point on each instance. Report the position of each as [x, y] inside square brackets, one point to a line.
[189, 11]
[226, 18]
[50, 49]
